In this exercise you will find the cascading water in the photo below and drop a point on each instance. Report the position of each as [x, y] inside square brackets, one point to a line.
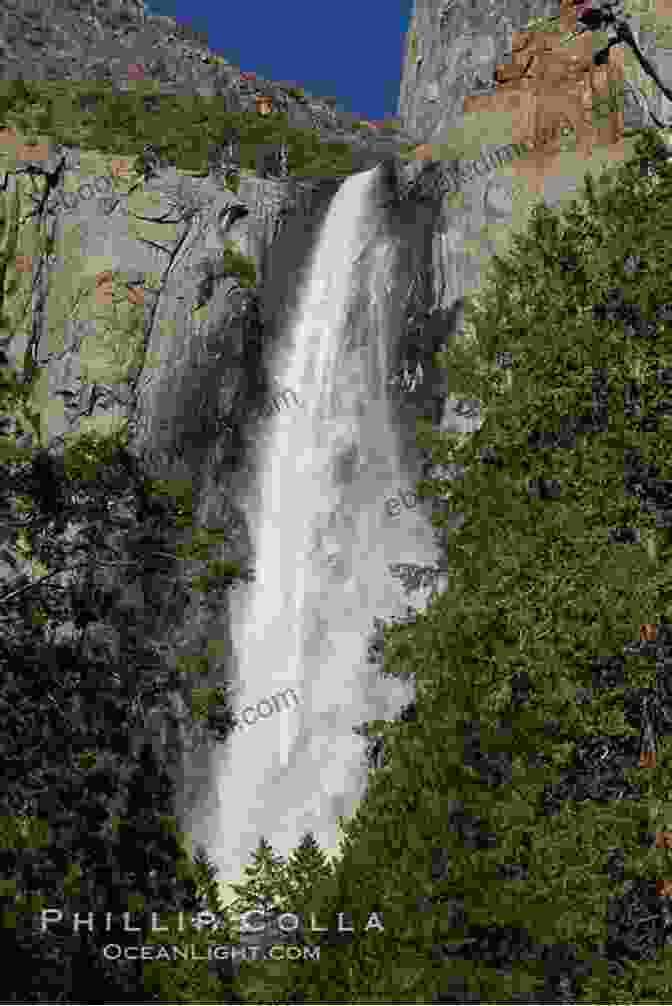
[323, 543]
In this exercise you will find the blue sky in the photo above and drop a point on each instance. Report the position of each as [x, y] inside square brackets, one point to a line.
[352, 49]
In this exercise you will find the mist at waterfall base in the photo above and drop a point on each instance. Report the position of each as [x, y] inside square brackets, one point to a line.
[323, 542]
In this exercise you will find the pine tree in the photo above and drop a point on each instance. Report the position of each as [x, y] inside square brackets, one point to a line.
[265, 887]
[274, 887]
[205, 874]
[307, 867]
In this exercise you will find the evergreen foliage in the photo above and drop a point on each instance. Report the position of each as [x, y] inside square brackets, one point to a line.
[263, 890]
[273, 887]
[78, 671]
[306, 867]
[180, 128]
[240, 265]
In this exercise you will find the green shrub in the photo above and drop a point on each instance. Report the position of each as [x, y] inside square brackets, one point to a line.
[183, 127]
[221, 573]
[412, 45]
[239, 265]
[204, 699]
[232, 181]
[390, 126]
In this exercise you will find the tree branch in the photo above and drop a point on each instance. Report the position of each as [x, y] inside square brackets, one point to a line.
[624, 34]
[34, 583]
[77, 565]
[601, 19]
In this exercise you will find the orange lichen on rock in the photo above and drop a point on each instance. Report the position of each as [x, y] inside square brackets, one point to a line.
[136, 295]
[24, 151]
[648, 632]
[425, 152]
[546, 87]
[104, 287]
[23, 263]
[105, 290]
[663, 8]
[121, 167]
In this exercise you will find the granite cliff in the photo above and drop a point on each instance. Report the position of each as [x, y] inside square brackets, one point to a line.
[455, 53]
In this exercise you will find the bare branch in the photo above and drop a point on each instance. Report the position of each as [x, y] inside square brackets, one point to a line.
[35, 583]
[601, 18]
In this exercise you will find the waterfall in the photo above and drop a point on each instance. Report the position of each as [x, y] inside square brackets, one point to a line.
[323, 542]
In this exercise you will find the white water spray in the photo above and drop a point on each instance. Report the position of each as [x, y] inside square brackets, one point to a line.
[323, 543]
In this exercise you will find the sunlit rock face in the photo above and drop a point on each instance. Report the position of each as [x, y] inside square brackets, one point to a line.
[452, 50]
[549, 90]
[463, 64]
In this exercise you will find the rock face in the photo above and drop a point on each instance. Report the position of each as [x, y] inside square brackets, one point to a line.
[549, 90]
[508, 112]
[459, 61]
[451, 52]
